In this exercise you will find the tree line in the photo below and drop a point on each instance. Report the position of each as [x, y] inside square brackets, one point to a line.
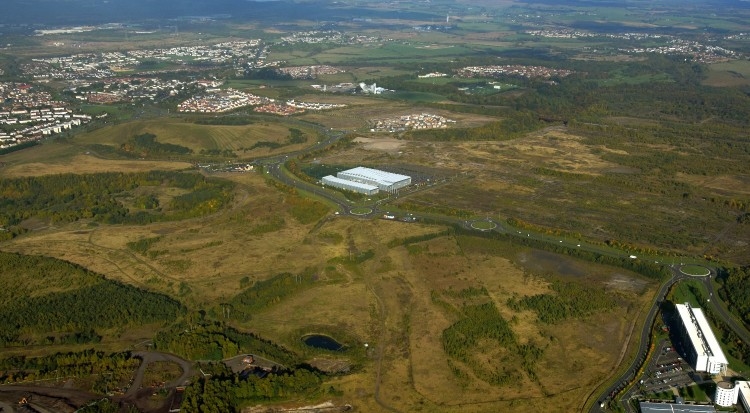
[197, 338]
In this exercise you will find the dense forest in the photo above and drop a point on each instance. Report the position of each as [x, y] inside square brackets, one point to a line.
[48, 301]
[103, 197]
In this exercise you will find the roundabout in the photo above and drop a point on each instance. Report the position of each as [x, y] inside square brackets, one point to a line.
[483, 225]
[361, 211]
[694, 270]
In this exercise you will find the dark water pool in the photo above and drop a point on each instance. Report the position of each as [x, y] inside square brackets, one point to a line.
[322, 342]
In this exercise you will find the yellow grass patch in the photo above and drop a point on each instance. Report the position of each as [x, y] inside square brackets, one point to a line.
[86, 164]
[729, 184]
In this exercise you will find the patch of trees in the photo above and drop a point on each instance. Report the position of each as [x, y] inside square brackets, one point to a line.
[570, 301]
[735, 291]
[479, 324]
[114, 366]
[268, 292]
[198, 339]
[266, 73]
[50, 301]
[143, 245]
[296, 136]
[306, 210]
[418, 238]
[146, 145]
[20, 146]
[226, 394]
[70, 197]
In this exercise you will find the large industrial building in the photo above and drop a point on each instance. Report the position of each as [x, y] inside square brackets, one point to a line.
[361, 188]
[367, 177]
[702, 348]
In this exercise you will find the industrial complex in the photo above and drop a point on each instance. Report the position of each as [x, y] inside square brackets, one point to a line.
[367, 180]
[701, 347]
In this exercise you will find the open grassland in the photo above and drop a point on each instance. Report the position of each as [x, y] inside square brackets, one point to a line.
[63, 155]
[599, 191]
[236, 138]
[729, 74]
[209, 255]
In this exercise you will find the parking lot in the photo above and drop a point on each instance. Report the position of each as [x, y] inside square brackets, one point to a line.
[666, 372]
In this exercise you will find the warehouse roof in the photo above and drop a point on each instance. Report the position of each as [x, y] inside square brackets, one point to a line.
[333, 179]
[383, 177]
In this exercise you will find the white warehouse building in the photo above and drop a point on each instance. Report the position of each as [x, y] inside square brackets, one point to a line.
[361, 188]
[385, 181]
[702, 348]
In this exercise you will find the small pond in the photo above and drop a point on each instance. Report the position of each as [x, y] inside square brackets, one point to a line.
[322, 342]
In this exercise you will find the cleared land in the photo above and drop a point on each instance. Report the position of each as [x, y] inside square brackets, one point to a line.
[238, 139]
